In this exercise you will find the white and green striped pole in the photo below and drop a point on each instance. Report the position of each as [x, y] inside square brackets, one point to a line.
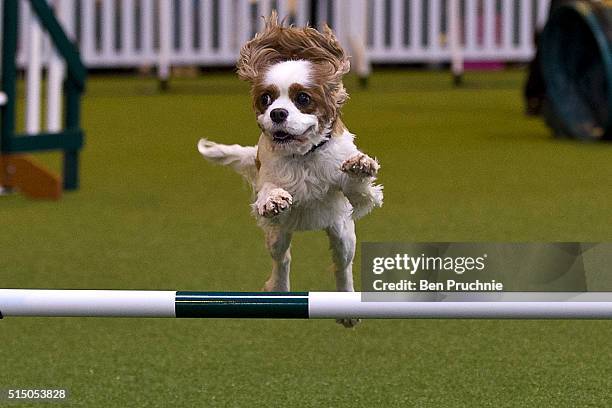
[300, 305]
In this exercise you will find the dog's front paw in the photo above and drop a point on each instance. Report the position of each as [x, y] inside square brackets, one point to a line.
[348, 323]
[361, 165]
[277, 202]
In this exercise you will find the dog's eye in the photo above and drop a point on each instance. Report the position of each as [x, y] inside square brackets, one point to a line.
[302, 99]
[265, 100]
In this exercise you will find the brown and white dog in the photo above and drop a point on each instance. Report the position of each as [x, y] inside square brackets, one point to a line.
[306, 171]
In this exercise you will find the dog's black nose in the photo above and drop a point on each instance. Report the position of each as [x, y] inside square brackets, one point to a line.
[278, 115]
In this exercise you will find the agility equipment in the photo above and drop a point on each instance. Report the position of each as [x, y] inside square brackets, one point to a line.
[576, 49]
[18, 171]
[303, 305]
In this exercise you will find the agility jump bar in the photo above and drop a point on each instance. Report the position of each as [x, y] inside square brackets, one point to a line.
[298, 305]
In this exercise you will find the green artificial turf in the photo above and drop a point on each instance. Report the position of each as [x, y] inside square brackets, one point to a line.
[457, 164]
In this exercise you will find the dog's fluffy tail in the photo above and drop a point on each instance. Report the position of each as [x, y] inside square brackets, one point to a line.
[240, 158]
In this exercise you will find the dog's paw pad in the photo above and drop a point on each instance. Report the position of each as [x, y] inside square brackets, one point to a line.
[361, 165]
[277, 202]
[348, 323]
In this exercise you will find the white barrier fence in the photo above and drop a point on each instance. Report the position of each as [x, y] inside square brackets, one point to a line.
[132, 33]
[419, 31]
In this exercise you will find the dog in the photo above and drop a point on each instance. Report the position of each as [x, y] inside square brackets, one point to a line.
[306, 172]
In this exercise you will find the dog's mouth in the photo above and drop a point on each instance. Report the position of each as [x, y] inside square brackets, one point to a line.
[281, 136]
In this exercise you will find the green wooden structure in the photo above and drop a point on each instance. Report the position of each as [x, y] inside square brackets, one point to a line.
[70, 140]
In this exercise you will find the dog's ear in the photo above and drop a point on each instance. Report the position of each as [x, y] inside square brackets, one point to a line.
[246, 70]
[259, 52]
[335, 50]
[331, 63]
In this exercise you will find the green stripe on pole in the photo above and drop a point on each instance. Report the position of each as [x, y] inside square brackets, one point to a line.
[293, 305]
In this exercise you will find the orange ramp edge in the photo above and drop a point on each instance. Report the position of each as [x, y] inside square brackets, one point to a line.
[22, 173]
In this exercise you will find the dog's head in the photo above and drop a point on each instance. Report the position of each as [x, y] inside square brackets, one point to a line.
[296, 77]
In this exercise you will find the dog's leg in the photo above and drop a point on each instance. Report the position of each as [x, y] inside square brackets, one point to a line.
[278, 243]
[357, 184]
[272, 201]
[361, 165]
[342, 242]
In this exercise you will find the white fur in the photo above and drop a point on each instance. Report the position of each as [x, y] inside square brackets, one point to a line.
[298, 189]
[240, 158]
[322, 193]
[286, 73]
[322, 197]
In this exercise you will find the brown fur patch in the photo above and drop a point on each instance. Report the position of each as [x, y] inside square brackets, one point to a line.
[258, 91]
[296, 89]
[338, 128]
[277, 43]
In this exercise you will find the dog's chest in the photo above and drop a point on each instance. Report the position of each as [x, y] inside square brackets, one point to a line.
[306, 179]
